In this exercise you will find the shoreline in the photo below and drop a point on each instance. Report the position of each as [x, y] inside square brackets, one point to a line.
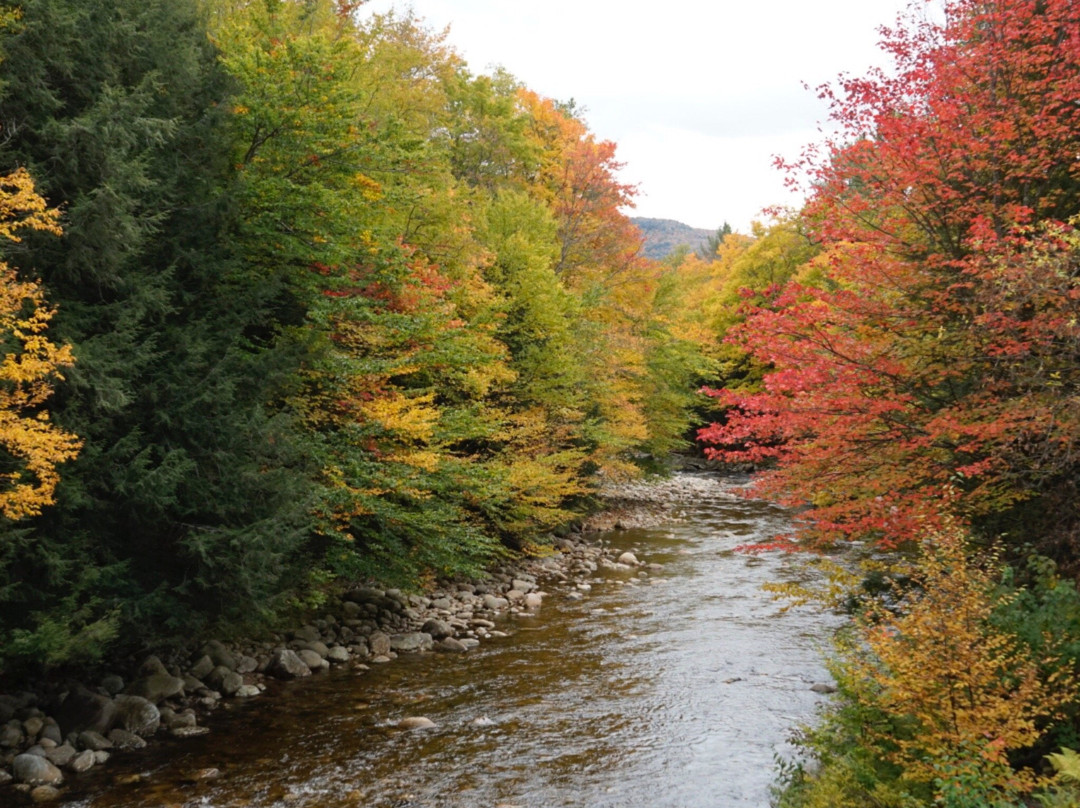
[46, 738]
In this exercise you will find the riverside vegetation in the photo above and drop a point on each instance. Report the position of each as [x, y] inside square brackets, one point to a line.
[295, 301]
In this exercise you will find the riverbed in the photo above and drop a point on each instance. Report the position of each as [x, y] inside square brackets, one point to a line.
[669, 687]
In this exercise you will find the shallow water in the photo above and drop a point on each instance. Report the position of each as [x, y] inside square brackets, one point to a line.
[671, 691]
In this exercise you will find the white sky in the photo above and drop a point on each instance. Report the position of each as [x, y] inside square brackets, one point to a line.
[699, 96]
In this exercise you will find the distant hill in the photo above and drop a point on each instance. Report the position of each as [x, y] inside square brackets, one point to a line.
[664, 235]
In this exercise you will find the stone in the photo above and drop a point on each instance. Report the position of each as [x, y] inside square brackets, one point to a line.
[51, 732]
[188, 732]
[45, 794]
[112, 684]
[438, 629]
[201, 669]
[101, 756]
[36, 771]
[247, 692]
[379, 643]
[184, 719]
[61, 755]
[193, 685]
[533, 600]
[411, 642]
[82, 762]
[138, 715]
[151, 666]
[629, 559]
[308, 634]
[522, 585]
[515, 596]
[225, 680]
[33, 726]
[219, 655]
[317, 646]
[338, 654]
[312, 660]
[83, 709]
[5, 777]
[122, 739]
[156, 687]
[416, 722]
[285, 664]
[94, 741]
[824, 688]
[495, 604]
[451, 645]
[11, 734]
[246, 664]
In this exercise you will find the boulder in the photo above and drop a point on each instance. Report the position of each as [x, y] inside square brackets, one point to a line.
[36, 771]
[219, 655]
[156, 687]
[411, 642]
[136, 714]
[202, 667]
[451, 645]
[83, 709]
[285, 664]
[225, 680]
[122, 739]
[379, 643]
[438, 629]
[338, 654]
[62, 755]
[94, 741]
[84, 761]
[495, 604]
[313, 660]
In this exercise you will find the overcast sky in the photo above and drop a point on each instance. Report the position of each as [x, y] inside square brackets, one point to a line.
[698, 95]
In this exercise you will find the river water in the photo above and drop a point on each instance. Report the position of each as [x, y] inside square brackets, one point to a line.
[676, 690]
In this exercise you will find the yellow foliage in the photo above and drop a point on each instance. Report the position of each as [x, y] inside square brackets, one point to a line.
[28, 366]
[972, 692]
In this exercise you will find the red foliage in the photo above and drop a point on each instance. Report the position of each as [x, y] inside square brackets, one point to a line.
[943, 362]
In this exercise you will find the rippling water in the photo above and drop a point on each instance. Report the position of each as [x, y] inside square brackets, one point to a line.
[673, 691]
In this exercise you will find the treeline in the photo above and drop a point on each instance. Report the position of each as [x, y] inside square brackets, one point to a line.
[905, 369]
[298, 298]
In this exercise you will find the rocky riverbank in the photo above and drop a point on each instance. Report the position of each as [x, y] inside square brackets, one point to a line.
[48, 737]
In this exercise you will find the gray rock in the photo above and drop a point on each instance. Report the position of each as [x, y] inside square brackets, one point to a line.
[495, 604]
[36, 771]
[247, 692]
[51, 732]
[822, 687]
[201, 669]
[225, 680]
[5, 777]
[36, 749]
[45, 794]
[184, 719]
[112, 684]
[156, 687]
[312, 660]
[515, 596]
[317, 646]
[61, 755]
[411, 642]
[338, 654]
[11, 734]
[101, 756]
[629, 559]
[379, 643]
[308, 634]
[122, 739]
[94, 741]
[219, 655]
[246, 664]
[416, 722]
[285, 664]
[136, 714]
[151, 666]
[451, 645]
[533, 600]
[438, 629]
[522, 586]
[84, 709]
[84, 761]
[188, 732]
[33, 726]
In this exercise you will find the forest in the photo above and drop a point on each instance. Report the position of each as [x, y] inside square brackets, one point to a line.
[293, 299]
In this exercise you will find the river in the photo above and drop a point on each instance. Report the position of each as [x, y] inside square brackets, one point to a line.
[673, 690]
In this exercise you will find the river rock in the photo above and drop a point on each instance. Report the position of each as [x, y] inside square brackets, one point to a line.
[61, 755]
[411, 642]
[156, 687]
[122, 739]
[246, 664]
[247, 692]
[94, 741]
[151, 666]
[84, 761]
[112, 684]
[629, 559]
[33, 726]
[84, 709]
[285, 664]
[533, 600]
[51, 732]
[515, 596]
[312, 660]
[45, 794]
[5, 777]
[824, 688]
[225, 680]
[202, 668]
[136, 714]
[438, 629]
[36, 771]
[11, 734]
[522, 585]
[416, 722]
[379, 643]
[188, 732]
[451, 645]
[495, 604]
[308, 634]
[219, 655]
[338, 654]
[317, 646]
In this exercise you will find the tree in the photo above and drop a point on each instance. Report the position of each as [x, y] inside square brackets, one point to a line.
[941, 355]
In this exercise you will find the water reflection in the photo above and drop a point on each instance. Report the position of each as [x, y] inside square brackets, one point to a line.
[673, 691]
